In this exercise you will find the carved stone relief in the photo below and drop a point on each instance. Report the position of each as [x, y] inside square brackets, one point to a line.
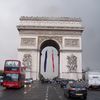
[71, 42]
[28, 41]
[72, 63]
[27, 60]
[56, 38]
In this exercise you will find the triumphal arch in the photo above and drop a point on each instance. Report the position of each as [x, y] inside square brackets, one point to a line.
[62, 33]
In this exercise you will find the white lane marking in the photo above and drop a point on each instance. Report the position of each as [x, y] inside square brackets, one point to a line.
[46, 98]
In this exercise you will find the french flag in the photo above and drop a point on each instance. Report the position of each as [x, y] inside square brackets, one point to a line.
[53, 61]
[45, 61]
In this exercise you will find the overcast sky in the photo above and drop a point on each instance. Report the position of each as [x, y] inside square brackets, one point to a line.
[87, 10]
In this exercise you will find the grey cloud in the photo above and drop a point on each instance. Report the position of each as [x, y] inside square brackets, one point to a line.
[88, 10]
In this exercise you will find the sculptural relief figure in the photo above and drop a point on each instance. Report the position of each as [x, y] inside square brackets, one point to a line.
[72, 63]
[27, 60]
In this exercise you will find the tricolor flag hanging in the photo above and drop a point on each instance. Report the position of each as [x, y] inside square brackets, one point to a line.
[45, 61]
[52, 60]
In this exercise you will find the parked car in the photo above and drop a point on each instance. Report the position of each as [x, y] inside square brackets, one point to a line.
[76, 89]
[1, 80]
[57, 80]
[28, 81]
[94, 80]
[44, 80]
[64, 82]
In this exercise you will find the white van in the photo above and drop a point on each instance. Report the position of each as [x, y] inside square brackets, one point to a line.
[94, 79]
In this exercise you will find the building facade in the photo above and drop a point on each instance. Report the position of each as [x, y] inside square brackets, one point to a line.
[62, 33]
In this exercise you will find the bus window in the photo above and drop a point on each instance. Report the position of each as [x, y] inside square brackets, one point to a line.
[12, 63]
[11, 77]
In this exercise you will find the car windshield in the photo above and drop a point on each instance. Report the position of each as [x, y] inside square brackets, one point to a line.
[77, 85]
[11, 77]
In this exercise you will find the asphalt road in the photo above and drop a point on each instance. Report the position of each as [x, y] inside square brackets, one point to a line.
[38, 91]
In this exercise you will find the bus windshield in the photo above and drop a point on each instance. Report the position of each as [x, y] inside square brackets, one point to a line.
[12, 63]
[11, 77]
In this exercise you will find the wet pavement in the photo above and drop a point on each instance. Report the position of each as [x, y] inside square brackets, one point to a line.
[38, 91]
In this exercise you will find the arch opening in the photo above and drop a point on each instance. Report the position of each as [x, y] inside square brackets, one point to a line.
[49, 59]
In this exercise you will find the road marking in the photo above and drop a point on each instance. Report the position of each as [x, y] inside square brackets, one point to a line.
[46, 98]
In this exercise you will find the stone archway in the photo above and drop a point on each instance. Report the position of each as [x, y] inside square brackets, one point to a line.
[63, 33]
[50, 44]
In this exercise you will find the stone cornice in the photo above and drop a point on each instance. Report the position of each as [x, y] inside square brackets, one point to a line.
[49, 18]
[26, 49]
[19, 27]
[71, 72]
[62, 50]
[50, 32]
[36, 49]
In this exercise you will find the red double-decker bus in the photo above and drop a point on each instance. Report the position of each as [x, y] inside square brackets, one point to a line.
[14, 75]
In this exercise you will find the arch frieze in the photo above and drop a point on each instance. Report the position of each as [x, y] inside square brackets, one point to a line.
[58, 39]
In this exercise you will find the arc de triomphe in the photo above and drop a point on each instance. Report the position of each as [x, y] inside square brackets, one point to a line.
[62, 33]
